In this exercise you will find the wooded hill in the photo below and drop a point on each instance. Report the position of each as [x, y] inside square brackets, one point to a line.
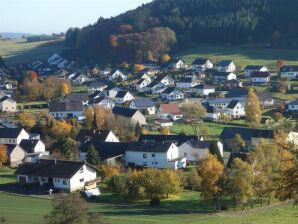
[163, 25]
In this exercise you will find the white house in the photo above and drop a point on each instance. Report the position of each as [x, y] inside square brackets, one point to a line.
[102, 101]
[155, 87]
[226, 66]
[292, 107]
[212, 113]
[289, 72]
[197, 150]
[66, 176]
[84, 136]
[115, 75]
[123, 96]
[165, 79]
[248, 70]
[235, 109]
[169, 112]
[260, 77]
[66, 110]
[129, 115]
[141, 84]
[13, 136]
[7, 104]
[154, 155]
[221, 77]
[187, 82]
[176, 63]
[201, 64]
[79, 79]
[203, 89]
[33, 145]
[143, 104]
[172, 94]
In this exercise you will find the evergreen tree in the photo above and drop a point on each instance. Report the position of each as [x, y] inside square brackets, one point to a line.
[214, 150]
[93, 156]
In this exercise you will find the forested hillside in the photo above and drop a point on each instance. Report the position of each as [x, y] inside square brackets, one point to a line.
[164, 25]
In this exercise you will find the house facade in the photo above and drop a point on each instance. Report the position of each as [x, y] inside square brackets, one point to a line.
[289, 72]
[222, 77]
[201, 64]
[172, 94]
[260, 78]
[226, 66]
[248, 70]
[154, 155]
[123, 96]
[12, 136]
[145, 105]
[66, 110]
[169, 112]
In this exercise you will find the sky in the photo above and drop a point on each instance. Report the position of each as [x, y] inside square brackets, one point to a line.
[54, 16]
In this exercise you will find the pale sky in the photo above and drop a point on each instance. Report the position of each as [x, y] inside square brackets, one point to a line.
[48, 16]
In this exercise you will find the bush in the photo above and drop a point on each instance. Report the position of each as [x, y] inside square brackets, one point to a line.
[154, 202]
[224, 208]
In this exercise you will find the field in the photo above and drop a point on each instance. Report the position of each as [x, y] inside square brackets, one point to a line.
[20, 51]
[241, 56]
[6, 175]
[32, 210]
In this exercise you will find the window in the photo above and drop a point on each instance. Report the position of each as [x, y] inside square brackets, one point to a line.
[153, 155]
[64, 182]
[144, 163]
[82, 180]
[156, 162]
[144, 156]
[81, 170]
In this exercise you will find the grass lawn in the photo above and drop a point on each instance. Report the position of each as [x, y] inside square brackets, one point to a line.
[34, 106]
[78, 89]
[6, 175]
[27, 210]
[241, 56]
[20, 51]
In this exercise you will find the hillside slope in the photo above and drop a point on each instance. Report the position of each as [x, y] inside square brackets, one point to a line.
[164, 25]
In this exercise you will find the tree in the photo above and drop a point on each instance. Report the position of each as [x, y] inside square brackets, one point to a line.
[32, 75]
[165, 131]
[238, 143]
[50, 86]
[266, 163]
[89, 121]
[211, 172]
[65, 88]
[253, 111]
[61, 129]
[139, 67]
[172, 182]
[118, 185]
[138, 129]
[107, 171]
[3, 155]
[193, 113]
[27, 120]
[194, 180]
[277, 116]
[68, 148]
[280, 63]
[103, 117]
[93, 156]
[241, 182]
[165, 58]
[71, 209]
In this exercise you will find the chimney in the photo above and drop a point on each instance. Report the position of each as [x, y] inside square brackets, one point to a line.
[55, 161]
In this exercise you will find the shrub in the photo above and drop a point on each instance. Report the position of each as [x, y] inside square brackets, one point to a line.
[154, 202]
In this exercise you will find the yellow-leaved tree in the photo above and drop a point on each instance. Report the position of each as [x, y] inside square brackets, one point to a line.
[253, 112]
[27, 120]
[3, 155]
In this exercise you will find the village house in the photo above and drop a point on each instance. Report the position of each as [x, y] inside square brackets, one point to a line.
[155, 87]
[248, 70]
[226, 66]
[7, 104]
[212, 113]
[292, 107]
[146, 105]
[233, 83]
[97, 94]
[223, 103]
[154, 155]
[141, 84]
[132, 116]
[196, 150]
[260, 78]
[169, 112]
[175, 64]
[102, 101]
[203, 89]
[95, 136]
[13, 136]
[96, 86]
[123, 96]
[68, 176]
[235, 109]
[289, 71]
[117, 75]
[83, 98]
[79, 79]
[222, 77]
[172, 94]
[165, 79]
[176, 139]
[66, 110]
[187, 82]
[201, 64]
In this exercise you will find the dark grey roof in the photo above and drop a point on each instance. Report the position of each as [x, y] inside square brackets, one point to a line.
[224, 63]
[260, 74]
[177, 139]
[289, 68]
[51, 168]
[121, 94]
[233, 104]
[143, 103]
[159, 78]
[169, 90]
[10, 132]
[203, 86]
[253, 67]
[209, 109]
[66, 106]
[201, 144]
[96, 94]
[237, 92]
[149, 147]
[107, 150]
[200, 61]
[232, 81]
[295, 102]
[222, 74]
[28, 145]
[92, 135]
[98, 99]
[77, 97]
[124, 111]
[4, 98]
[246, 133]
